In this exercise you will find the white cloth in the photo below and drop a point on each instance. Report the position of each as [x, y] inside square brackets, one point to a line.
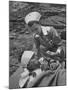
[26, 57]
[45, 30]
[22, 81]
[25, 73]
[24, 77]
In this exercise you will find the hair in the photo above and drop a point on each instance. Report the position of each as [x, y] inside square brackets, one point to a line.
[32, 22]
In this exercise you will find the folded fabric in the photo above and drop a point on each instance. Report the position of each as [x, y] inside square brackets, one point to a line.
[49, 78]
[23, 81]
[25, 77]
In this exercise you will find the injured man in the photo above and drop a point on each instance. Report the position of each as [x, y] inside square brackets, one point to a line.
[41, 72]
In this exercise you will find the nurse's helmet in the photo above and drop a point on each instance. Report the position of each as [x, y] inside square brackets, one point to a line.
[32, 16]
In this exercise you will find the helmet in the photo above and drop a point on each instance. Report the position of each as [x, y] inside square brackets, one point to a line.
[33, 16]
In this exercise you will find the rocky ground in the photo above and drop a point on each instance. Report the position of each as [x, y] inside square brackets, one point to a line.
[19, 37]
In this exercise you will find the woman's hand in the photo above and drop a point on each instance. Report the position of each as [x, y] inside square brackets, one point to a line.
[51, 53]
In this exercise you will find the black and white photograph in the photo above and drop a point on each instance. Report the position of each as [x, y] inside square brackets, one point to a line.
[37, 44]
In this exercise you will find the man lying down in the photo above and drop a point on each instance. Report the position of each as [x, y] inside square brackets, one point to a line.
[41, 72]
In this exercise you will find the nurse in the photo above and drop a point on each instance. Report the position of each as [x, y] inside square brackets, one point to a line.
[47, 39]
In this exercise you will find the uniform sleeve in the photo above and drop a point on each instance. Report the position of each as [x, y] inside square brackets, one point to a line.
[61, 80]
[56, 38]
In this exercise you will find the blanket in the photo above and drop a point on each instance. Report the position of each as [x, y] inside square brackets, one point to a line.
[49, 78]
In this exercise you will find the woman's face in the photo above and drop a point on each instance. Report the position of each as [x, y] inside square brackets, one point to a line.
[36, 28]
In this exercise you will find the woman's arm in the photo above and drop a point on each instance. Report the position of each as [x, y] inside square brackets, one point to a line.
[58, 51]
[56, 37]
